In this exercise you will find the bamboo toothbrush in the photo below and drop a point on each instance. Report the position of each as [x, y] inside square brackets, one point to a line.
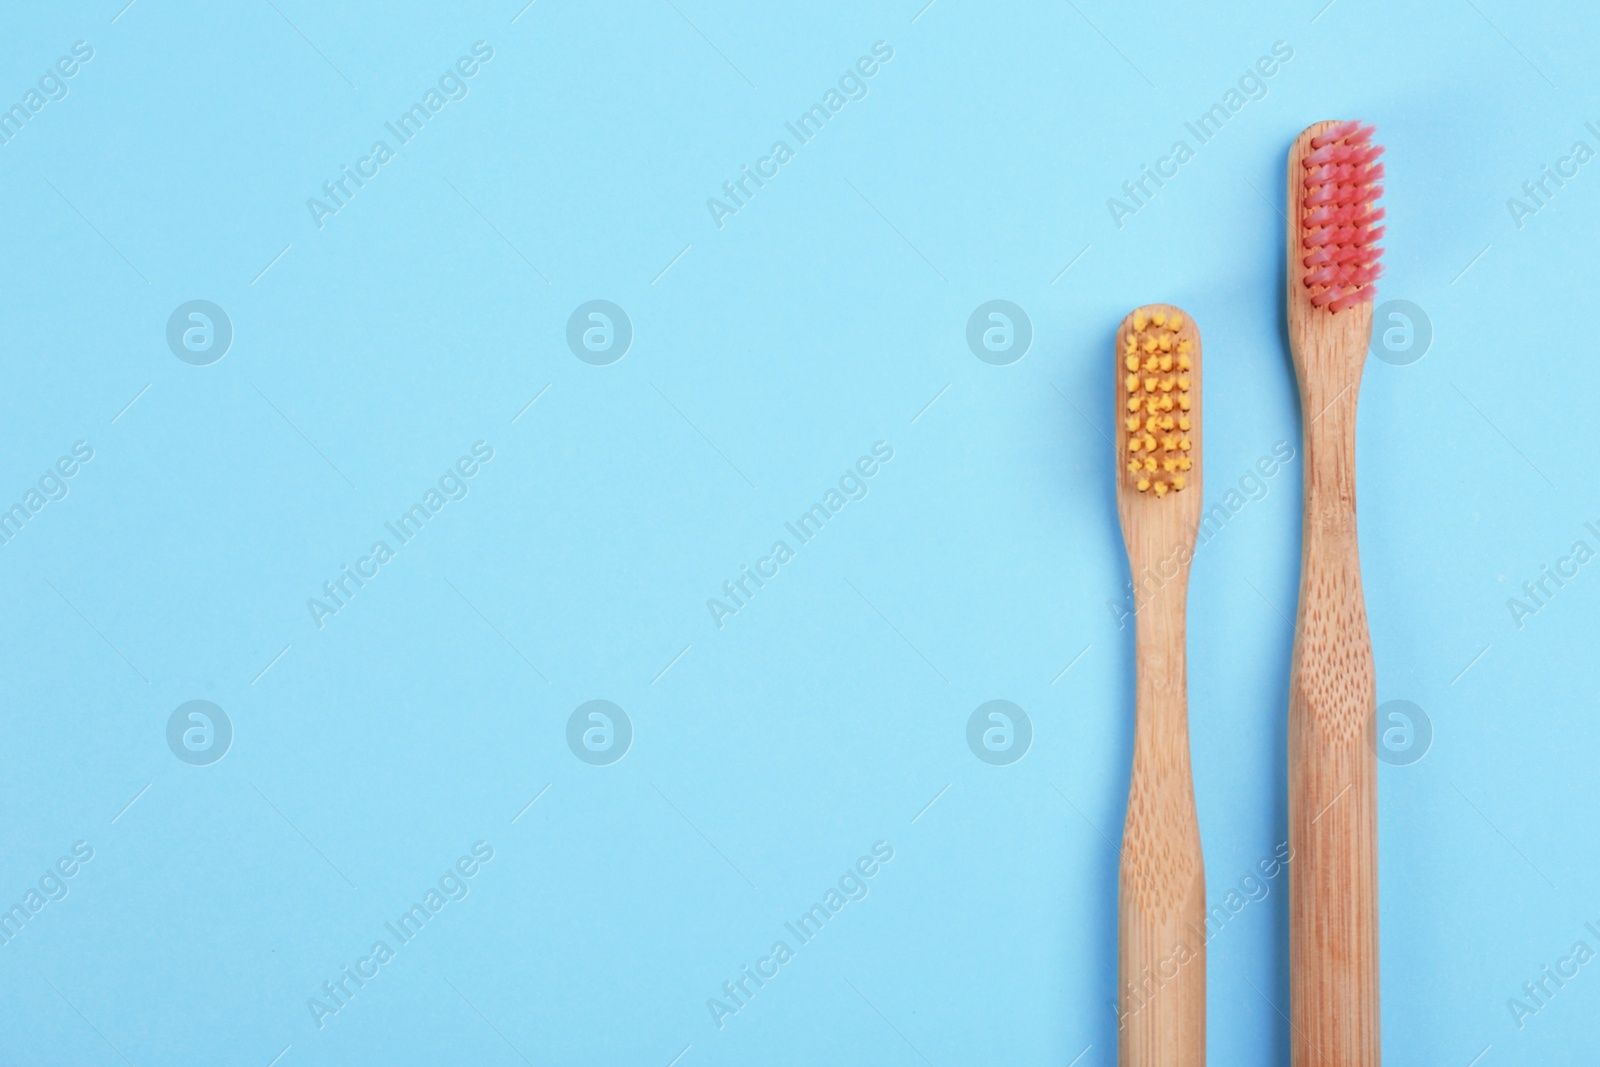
[1333, 796]
[1161, 902]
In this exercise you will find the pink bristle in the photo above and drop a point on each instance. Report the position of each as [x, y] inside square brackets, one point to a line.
[1338, 132]
[1343, 153]
[1339, 224]
[1349, 215]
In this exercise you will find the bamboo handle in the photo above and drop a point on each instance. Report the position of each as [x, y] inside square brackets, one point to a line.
[1333, 881]
[1333, 802]
[1162, 894]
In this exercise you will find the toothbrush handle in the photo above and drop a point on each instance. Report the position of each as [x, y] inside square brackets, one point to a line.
[1333, 795]
[1161, 902]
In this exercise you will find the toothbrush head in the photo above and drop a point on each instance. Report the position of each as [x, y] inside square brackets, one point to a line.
[1338, 216]
[1158, 394]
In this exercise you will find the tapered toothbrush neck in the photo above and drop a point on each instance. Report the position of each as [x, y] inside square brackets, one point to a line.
[1160, 652]
[1330, 456]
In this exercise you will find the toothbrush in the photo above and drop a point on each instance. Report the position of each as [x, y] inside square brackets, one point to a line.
[1333, 795]
[1161, 901]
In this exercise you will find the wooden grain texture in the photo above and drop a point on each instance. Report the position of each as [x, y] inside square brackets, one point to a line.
[1161, 907]
[1333, 824]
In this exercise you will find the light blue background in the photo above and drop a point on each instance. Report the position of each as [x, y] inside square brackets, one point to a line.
[767, 356]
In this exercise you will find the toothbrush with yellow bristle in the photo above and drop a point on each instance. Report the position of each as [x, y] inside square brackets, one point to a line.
[1333, 792]
[1161, 900]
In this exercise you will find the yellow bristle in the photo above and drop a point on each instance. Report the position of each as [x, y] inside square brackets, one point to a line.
[1156, 360]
